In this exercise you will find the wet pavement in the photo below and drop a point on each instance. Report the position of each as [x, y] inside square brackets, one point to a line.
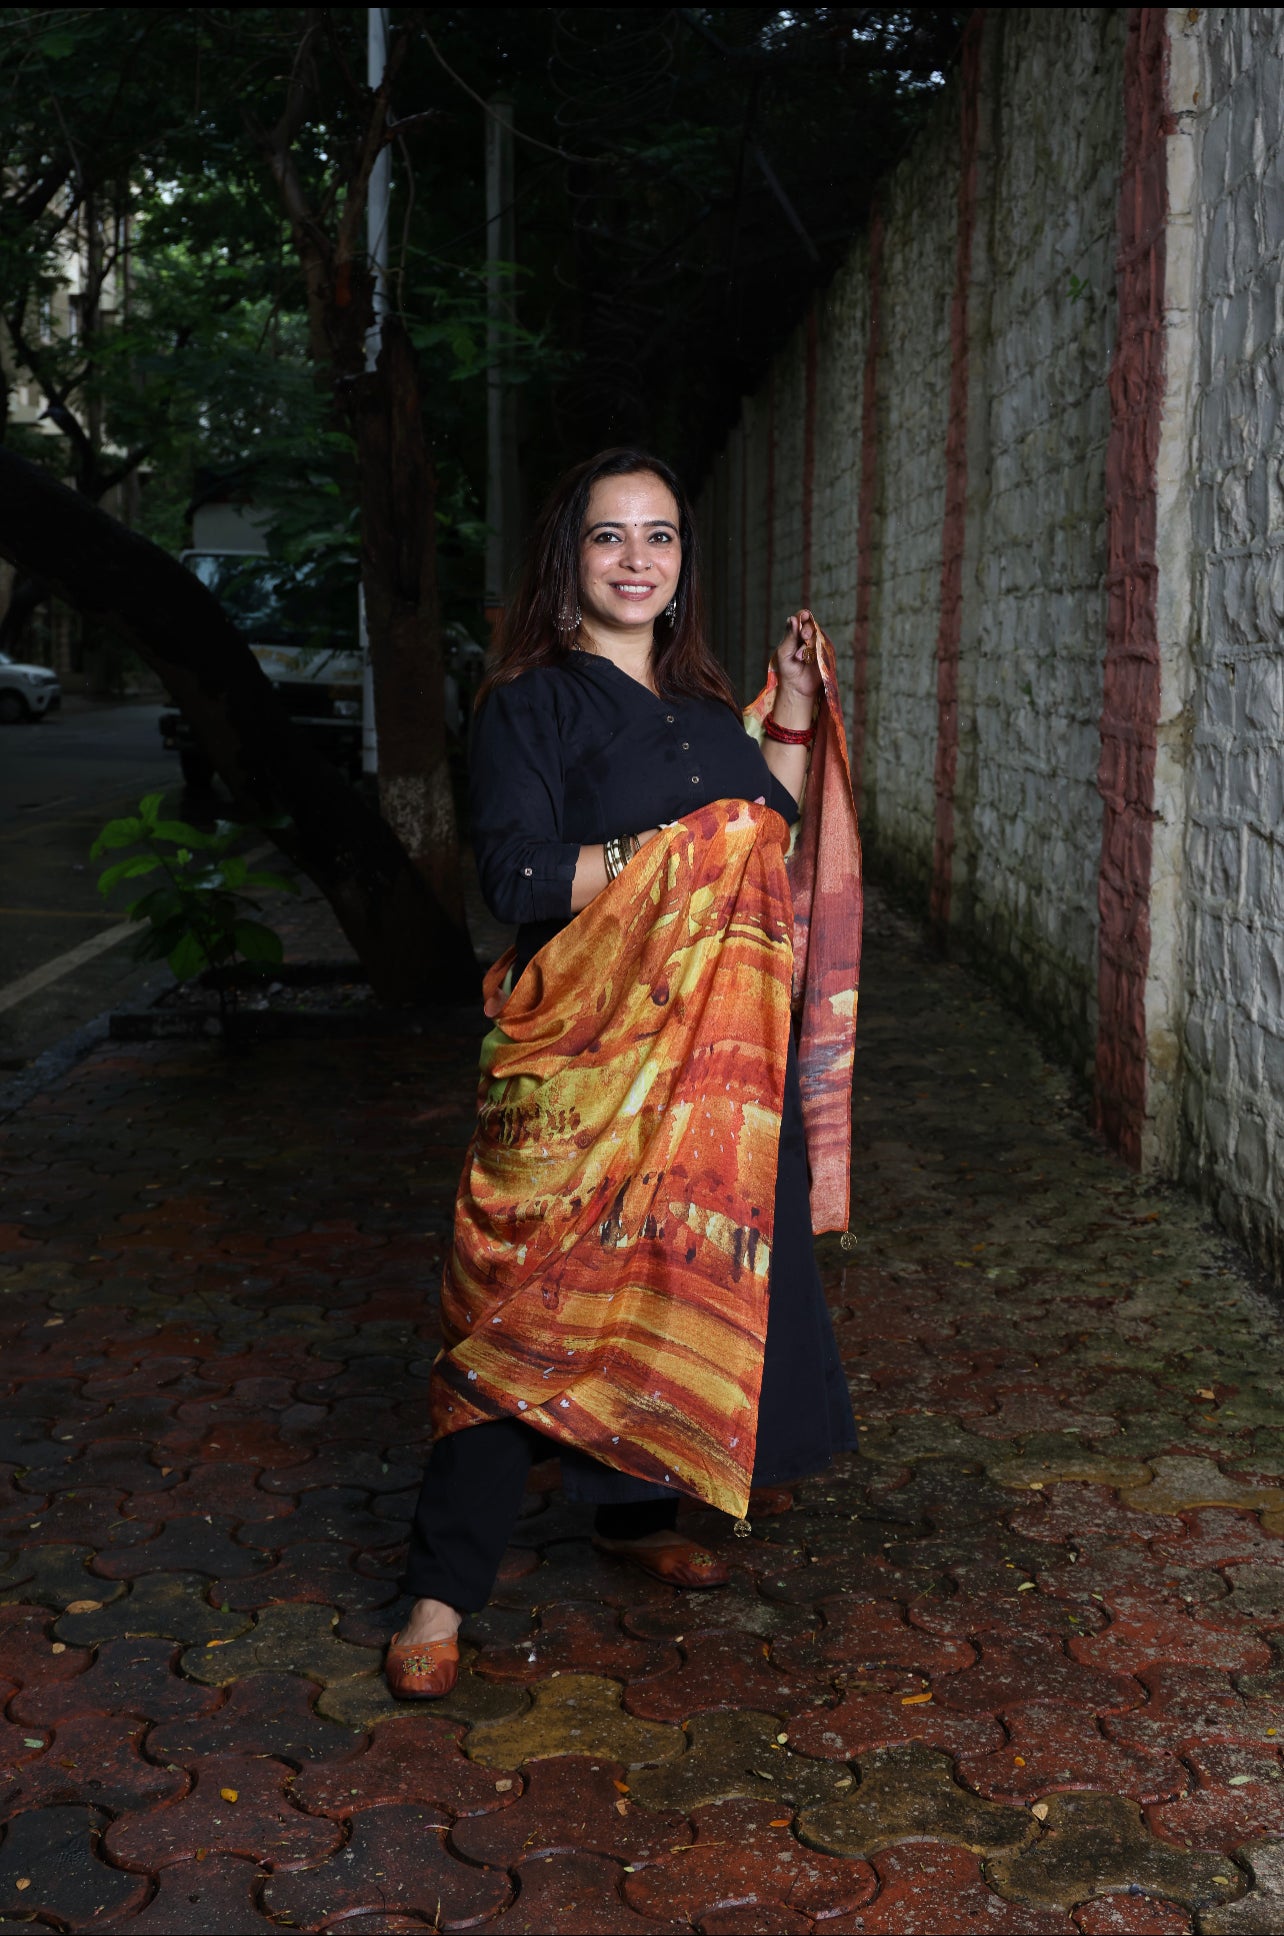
[1016, 1668]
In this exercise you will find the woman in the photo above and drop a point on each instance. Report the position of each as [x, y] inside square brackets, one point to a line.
[633, 1283]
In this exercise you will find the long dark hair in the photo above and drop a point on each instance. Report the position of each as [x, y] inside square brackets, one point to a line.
[537, 628]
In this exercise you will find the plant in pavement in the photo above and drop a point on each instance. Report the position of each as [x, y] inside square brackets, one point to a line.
[202, 916]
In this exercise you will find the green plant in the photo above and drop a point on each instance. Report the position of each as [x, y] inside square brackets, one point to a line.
[199, 917]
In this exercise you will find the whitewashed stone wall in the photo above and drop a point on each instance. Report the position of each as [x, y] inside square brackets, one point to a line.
[1234, 876]
[1027, 809]
[1041, 328]
[920, 216]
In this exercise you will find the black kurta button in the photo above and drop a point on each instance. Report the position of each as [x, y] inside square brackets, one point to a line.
[686, 745]
[669, 718]
[695, 779]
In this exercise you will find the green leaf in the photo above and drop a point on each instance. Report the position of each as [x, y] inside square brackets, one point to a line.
[258, 943]
[161, 904]
[117, 833]
[182, 834]
[277, 881]
[188, 958]
[149, 808]
[127, 870]
[233, 871]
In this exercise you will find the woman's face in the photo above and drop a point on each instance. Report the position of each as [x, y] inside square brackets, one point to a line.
[630, 551]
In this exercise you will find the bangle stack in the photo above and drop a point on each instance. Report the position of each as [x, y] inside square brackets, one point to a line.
[618, 851]
[786, 735]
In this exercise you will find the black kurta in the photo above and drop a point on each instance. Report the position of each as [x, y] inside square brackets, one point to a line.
[565, 757]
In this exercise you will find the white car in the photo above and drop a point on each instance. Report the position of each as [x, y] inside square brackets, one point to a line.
[26, 691]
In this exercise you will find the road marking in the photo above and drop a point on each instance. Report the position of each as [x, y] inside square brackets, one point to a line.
[97, 944]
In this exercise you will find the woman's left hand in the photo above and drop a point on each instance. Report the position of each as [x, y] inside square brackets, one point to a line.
[797, 662]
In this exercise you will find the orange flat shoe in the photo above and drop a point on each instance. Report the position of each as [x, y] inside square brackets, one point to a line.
[424, 1672]
[685, 1565]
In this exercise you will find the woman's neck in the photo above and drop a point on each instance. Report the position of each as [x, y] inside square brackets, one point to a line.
[631, 651]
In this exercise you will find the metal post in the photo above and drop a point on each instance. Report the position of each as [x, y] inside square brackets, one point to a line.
[501, 426]
[377, 209]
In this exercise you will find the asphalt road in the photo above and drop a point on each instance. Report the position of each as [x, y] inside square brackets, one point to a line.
[60, 781]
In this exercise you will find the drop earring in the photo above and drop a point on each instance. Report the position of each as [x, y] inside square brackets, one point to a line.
[569, 620]
[671, 609]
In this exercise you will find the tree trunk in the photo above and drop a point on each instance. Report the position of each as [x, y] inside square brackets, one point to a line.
[399, 577]
[411, 948]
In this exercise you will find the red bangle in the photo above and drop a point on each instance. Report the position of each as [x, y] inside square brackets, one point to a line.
[786, 735]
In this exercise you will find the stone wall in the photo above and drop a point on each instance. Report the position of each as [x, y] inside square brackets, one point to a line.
[1024, 461]
[1234, 875]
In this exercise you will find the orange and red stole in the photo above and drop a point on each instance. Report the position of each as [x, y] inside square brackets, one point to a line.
[614, 1225]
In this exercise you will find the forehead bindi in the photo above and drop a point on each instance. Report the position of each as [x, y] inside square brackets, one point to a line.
[635, 501]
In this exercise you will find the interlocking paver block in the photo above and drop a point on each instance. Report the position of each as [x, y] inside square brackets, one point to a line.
[1261, 1911]
[137, 1677]
[1072, 1511]
[575, 1892]
[311, 1570]
[267, 1714]
[736, 1608]
[719, 1670]
[1257, 1591]
[363, 1701]
[1052, 1747]
[287, 1640]
[53, 1854]
[574, 1803]
[864, 1634]
[573, 1715]
[938, 1887]
[909, 1794]
[53, 1576]
[1096, 1845]
[31, 1656]
[734, 1757]
[1183, 1482]
[238, 1806]
[183, 1545]
[95, 1759]
[170, 1605]
[877, 1719]
[743, 1855]
[1239, 1795]
[576, 1638]
[395, 1863]
[416, 1758]
[1027, 1667]
[1125, 1915]
[219, 1892]
[1194, 1704]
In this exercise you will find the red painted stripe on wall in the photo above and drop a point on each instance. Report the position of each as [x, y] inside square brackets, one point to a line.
[809, 452]
[1131, 684]
[950, 625]
[865, 504]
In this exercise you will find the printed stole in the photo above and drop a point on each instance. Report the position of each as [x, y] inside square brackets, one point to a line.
[614, 1225]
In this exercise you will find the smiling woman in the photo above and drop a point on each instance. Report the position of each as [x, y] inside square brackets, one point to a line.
[632, 1282]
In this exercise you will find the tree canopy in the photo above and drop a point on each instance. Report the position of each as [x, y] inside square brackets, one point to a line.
[684, 179]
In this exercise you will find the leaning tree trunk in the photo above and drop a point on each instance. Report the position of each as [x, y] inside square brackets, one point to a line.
[398, 493]
[412, 948]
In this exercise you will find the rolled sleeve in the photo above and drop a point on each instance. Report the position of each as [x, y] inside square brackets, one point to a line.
[516, 792]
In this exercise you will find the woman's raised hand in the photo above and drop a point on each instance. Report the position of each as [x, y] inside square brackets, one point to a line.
[797, 664]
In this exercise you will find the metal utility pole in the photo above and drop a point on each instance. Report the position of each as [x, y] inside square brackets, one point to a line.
[502, 510]
[377, 211]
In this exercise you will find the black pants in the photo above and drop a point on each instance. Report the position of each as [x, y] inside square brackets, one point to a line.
[468, 1506]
